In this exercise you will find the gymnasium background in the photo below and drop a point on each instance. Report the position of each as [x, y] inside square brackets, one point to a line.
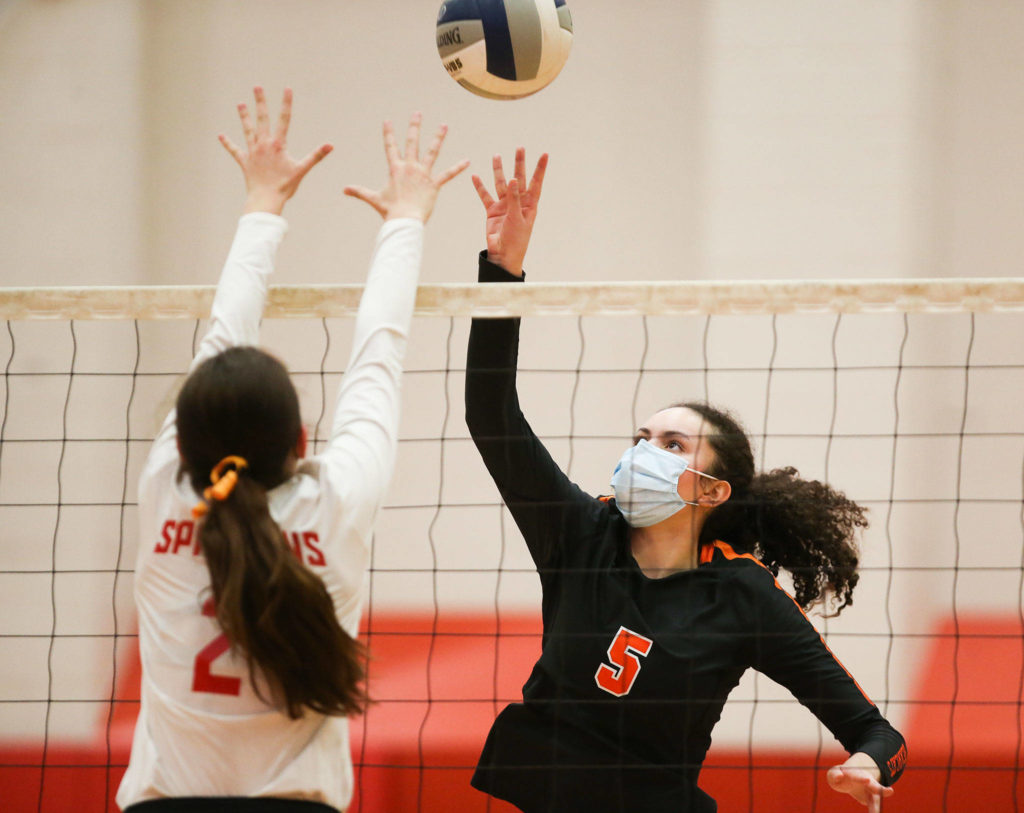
[767, 139]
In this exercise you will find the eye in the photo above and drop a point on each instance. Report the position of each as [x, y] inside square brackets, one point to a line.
[674, 444]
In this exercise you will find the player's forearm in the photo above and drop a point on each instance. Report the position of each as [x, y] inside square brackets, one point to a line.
[364, 432]
[492, 403]
[370, 389]
[515, 458]
[389, 297]
[242, 289]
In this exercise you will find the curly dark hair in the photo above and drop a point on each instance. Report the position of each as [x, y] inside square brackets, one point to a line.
[804, 526]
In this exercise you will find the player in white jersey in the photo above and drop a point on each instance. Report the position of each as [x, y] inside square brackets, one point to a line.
[249, 596]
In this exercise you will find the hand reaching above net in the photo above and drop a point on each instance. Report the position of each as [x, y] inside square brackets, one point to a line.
[412, 188]
[510, 217]
[271, 175]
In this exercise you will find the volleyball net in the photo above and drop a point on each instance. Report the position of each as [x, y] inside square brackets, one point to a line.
[905, 395]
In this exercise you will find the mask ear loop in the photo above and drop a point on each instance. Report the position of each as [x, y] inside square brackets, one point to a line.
[223, 484]
[699, 474]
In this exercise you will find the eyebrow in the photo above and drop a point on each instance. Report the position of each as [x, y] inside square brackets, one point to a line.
[643, 430]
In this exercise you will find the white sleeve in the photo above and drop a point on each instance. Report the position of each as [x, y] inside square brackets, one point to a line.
[237, 308]
[242, 289]
[360, 455]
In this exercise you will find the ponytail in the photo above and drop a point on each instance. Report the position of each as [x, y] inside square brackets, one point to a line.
[277, 614]
[803, 526]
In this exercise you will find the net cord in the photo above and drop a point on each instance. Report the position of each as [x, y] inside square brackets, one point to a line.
[819, 727]
[891, 502]
[108, 788]
[956, 571]
[317, 442]
[538, 299]
[53, 570]
[764, 450]
[369, 632]
[572, 398]
[7, 397]
[434, 570]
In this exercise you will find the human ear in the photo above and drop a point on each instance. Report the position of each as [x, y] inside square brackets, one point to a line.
[716, 495]
[301, 443]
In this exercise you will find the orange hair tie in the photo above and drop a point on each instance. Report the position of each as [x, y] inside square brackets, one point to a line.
[223, 483]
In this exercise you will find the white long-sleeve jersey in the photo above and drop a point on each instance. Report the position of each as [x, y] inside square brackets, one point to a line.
[202, 729]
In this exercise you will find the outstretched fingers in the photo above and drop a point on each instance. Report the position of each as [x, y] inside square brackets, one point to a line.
[390, 147]
[521, 168]
[272, 175]
[434, 150]
[451, 172]
[537, 181]
[515, 206]
[500, 186]
[262, 117]
[412, 138]
[284, 118]
[412, 187]
[369, 196]
[247, 128]
[482, 193]
[435, 147]
[232, 149]
[311, 160]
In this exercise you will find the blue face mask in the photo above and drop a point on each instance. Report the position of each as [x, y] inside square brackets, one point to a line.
[646, 484]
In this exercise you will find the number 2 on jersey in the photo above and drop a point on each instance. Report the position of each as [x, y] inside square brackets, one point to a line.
[625, 652]
[203, 680]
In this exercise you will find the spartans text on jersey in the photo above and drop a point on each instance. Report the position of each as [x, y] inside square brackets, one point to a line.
[179, 536]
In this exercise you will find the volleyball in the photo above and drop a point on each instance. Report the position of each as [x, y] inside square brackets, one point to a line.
[504, 49]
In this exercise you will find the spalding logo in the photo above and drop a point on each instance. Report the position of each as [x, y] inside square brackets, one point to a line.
[453, 37]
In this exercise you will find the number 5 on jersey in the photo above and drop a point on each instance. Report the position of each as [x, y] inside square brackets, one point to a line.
[624, 654]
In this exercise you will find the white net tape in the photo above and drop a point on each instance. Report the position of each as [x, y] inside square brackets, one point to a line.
[541, 299]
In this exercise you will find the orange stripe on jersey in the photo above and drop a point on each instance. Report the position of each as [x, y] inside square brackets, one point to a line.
[705, 556]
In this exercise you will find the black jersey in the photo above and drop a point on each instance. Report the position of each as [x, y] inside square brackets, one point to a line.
[618, 712]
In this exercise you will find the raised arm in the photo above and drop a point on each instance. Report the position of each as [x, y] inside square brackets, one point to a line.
[271, 178]
[540, 497]
[364, 432]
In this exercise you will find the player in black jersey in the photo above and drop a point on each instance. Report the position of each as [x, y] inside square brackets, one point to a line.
[657, 601]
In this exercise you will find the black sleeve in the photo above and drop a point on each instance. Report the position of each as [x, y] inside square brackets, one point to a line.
[542, 500]
[786, 647]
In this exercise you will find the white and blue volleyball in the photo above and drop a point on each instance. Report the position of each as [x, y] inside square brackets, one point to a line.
[504, 49]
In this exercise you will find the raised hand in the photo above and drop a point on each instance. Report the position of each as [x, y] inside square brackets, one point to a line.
[271, 174]
[412, 188]
[859, 782]
[510, 217]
